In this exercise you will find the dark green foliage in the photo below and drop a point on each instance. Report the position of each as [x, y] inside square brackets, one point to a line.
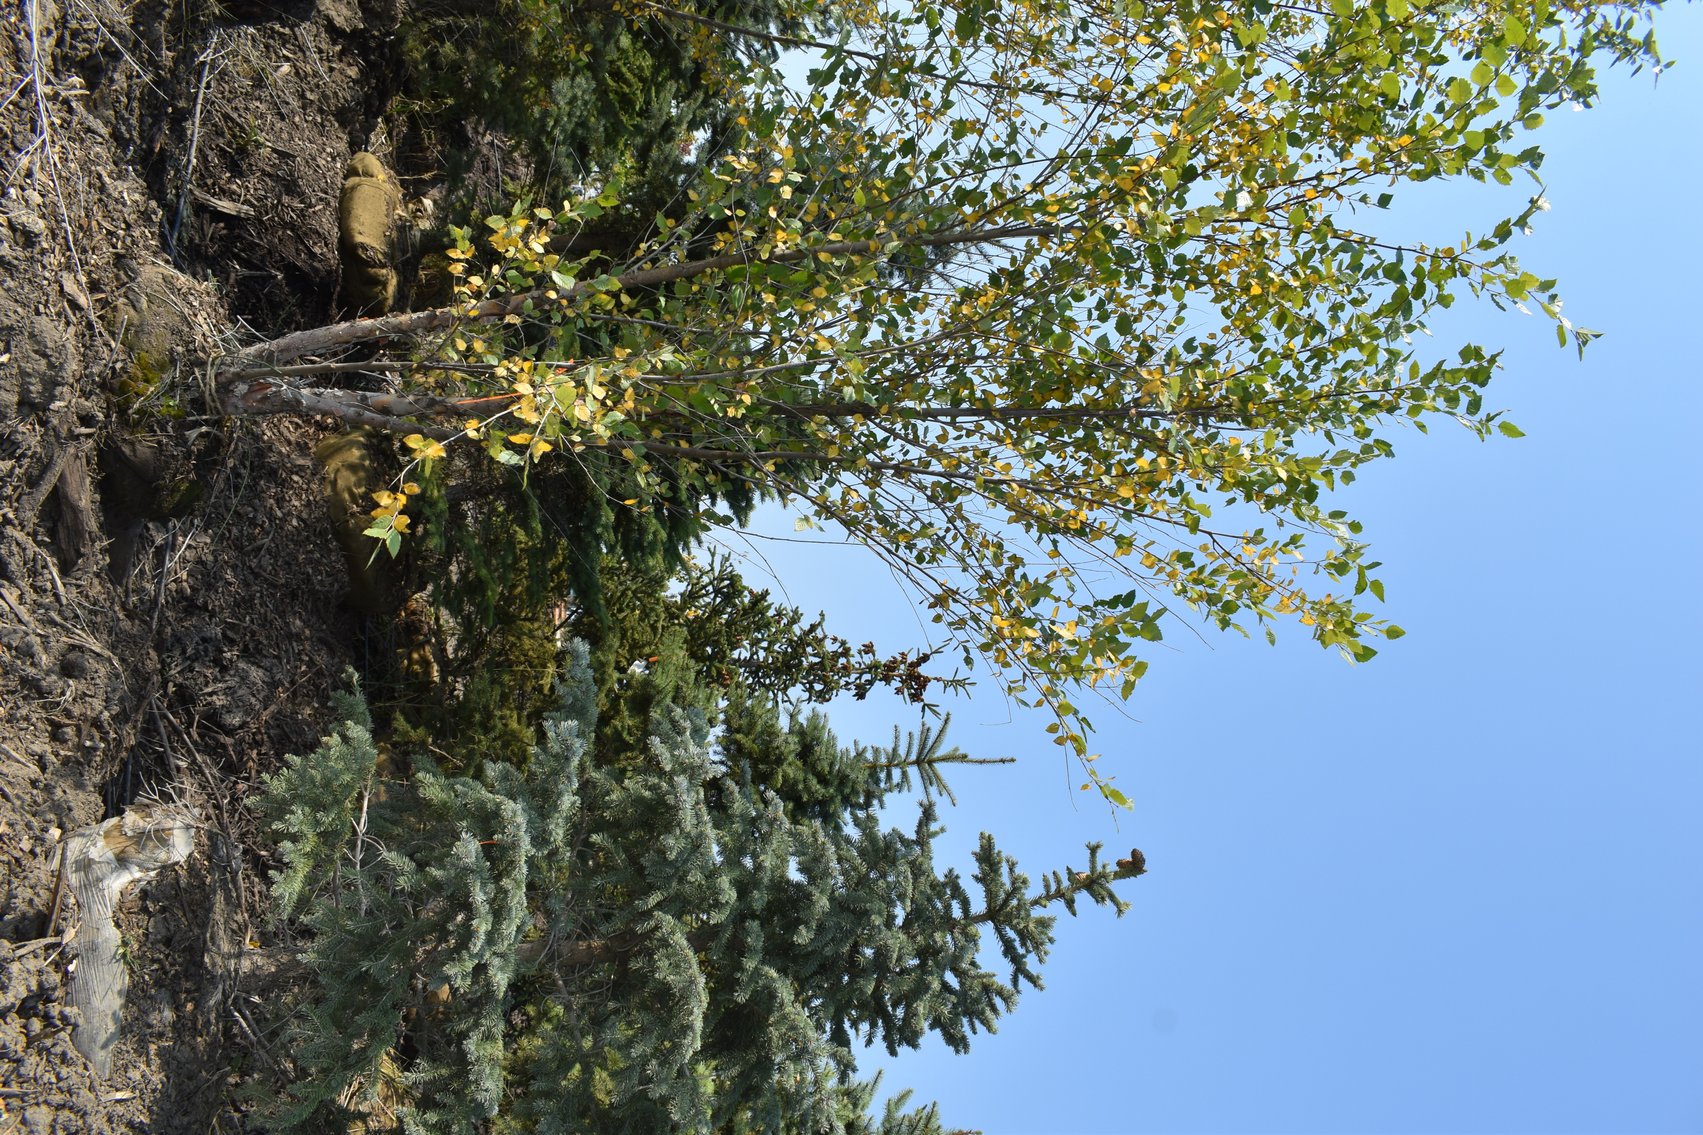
[717, 646]
[729, 635]
[797, 760]
[593, 88]
[489, 570]
[500, 553]
[506, 560]
[736, 632]
[648, 944]
[805, 768]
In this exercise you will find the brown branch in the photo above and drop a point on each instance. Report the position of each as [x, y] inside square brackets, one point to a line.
[253, 398]
[371, 366]
[765, 456]
[299, 343]
[953, 413]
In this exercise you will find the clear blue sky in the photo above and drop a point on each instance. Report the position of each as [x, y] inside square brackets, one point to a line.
[1460, 888]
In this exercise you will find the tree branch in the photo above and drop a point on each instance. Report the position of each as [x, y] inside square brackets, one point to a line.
[253, 398]
[299, 343]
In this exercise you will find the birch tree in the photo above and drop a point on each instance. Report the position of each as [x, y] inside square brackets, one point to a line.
[1073, 312]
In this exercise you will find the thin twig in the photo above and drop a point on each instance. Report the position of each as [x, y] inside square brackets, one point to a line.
[188, 176]
[47, 148]
[160, 585]
[172, 763]
[16, 91]
[208, 775]
[240, 1015]
[52, 568]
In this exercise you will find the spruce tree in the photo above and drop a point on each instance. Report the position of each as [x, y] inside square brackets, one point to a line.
[656, 943]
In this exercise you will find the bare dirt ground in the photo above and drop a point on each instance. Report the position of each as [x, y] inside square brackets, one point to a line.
[169, 615]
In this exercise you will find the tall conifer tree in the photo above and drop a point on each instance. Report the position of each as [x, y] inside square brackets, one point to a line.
[654, 943]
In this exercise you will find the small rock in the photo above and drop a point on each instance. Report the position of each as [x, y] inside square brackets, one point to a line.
[33, 228]
[74, 291]
[65, 734]
[16, 640]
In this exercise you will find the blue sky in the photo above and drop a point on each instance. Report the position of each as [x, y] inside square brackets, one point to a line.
[1453, 890]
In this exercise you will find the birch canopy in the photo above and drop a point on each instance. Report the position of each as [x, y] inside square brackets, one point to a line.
[1072, 312]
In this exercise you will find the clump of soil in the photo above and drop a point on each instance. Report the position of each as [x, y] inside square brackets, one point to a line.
[170, 623]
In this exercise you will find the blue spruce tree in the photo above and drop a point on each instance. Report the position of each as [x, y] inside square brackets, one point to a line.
[656, 943]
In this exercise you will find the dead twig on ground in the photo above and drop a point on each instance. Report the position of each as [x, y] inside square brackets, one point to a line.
[160, 586]
[45, 117]
[186, 179]
[250, 1030]
[52, 567]
[207, 774]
